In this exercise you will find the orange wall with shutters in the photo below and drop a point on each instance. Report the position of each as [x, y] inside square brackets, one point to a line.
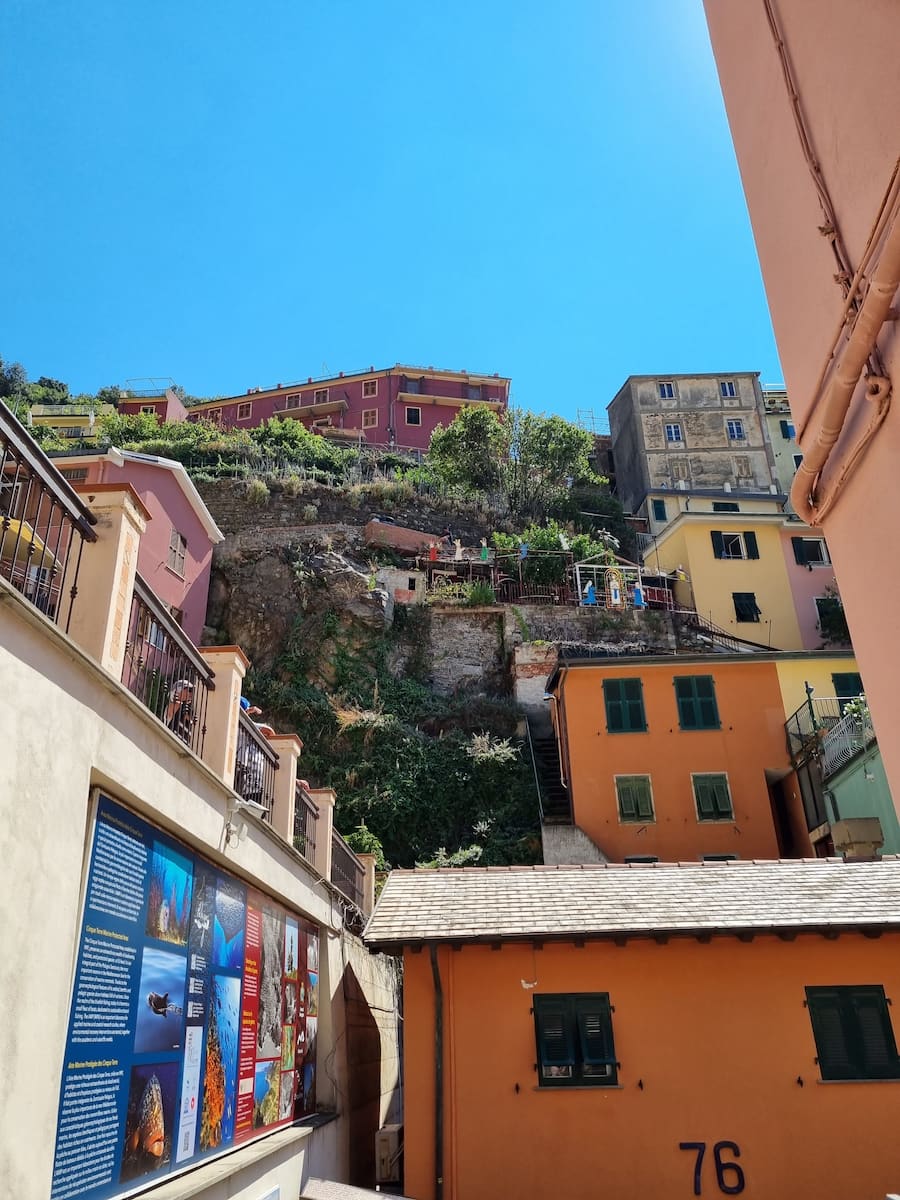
[712, 1041]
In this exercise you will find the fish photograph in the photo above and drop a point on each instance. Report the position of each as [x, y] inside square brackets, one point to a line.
[159, 1023]
[229, 923]
[169, 900]
[150, 1119]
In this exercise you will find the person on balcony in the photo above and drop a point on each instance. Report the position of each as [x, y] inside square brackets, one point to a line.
[179, 714]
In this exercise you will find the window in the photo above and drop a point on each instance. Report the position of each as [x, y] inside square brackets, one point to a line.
[74, 474]
[634, 797]
[798, 459]
[787, 430]
[369, 418]
[641, 858]
[696, 699]
[413, 416]
[624, 702]
[215, 414]
[810, 552]
[370, 387]
[244, 411]
[725, 506]
[847, 686]
[734, 545]
[575, 1040]
[666, 390]
[148, 410]
[659, 510]
[735, 431]
[320, 396]
[712, 797]
[718, 858]
[745, 606]
[177, 552]
[827, 608]
[852, 1029]
[727, 389]
[413, 386]
[673, 431]
[322, 423]
[292, 400]
[473, 391]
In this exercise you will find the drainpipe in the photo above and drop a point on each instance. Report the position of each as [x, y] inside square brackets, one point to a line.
[438, 1075]
[873, 313]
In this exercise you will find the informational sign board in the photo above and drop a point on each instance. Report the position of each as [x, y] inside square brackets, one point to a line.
[194, 1012]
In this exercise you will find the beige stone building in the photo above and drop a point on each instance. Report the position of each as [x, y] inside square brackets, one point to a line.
[782, 436]
[691, 433]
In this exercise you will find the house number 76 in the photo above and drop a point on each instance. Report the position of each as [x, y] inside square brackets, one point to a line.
[729, 1176]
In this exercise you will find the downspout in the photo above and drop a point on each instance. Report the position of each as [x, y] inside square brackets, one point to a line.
[810, 504]
[438, 1075]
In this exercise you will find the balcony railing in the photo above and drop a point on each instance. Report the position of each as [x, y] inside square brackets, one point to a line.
[306, 816]
[43, 524]
[164, 669]
[255, 766]
[844, 741]
[347, 872]
[813, 721]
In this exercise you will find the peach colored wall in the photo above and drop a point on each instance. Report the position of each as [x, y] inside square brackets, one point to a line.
[806, 584]
[750, 740]
[168, 506]
[845, 63]
[718, 1043]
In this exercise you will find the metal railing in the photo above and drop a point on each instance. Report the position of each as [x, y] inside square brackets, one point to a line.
[255, 766]
[809, 725]
[719, 638]
[164, 669]
[43, 524]
[537, 781]
[347, 872]
[844, 741]
[306, 817]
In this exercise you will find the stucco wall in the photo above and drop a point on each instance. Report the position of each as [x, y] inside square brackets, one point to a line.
[72, 727]
[716, 1050]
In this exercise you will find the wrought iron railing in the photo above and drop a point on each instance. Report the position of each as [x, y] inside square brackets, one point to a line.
[306, 817]
[844, 740]
[43, 524]
[806, 728]
[255, 766]
[347, 872]
[165, 670]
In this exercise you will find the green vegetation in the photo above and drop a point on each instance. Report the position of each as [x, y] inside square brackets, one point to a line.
[546, 560]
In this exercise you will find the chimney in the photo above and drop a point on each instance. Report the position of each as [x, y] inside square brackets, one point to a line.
[857, 839]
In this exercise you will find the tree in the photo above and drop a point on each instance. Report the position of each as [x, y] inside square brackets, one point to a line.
[546, 455]
[832, 619]
[469, 452]
[593, 509]
[546, 560]
[13, 379]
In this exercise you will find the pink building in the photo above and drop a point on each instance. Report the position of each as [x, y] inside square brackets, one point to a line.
[175, 556]
[164, 405]
[812, 92]
[811, 578]
[399, 406]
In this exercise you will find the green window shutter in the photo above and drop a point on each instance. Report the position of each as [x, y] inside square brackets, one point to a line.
[633, 692]
[706, 805]
[799, 551]
[705, 690]
[713, 800]
[721, 800]
[634, 798]
[684, 695]
[624, 701]
[615, 709]
[826, 1012]
[696, 697]
[595, 1036]
[847, 685]
[718, 543]
[553, 1025]
[627, 800]
[750, 543]
[876, 1050]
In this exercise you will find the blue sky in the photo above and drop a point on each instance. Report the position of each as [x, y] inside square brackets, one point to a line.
[234, 194]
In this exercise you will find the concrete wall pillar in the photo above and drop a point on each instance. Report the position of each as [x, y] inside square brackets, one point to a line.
[287, 746]
[102, 609]
[230, 665]
[324, 799]
[368, 861]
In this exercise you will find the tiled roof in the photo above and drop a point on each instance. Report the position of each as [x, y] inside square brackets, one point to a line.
[490, 904]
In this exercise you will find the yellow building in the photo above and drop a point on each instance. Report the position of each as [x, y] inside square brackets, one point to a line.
[78, 422]
[731, 568]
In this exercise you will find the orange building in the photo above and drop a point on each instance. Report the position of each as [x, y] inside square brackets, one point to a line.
[657, 1031]
[678, 758]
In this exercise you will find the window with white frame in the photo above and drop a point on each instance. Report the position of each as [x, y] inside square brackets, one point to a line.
[244, 411]
[673, 432]
[735, 430]
[320, 396]
[712, 797]
[369, 418]
[727, 389]
[810, 552]
[413, 416]
[177, 552]
[731, 544]
[370, 388]
[798, 459]
[322, 423]
[666, 390]
[148, 410]
[292, 400]
[635, 798]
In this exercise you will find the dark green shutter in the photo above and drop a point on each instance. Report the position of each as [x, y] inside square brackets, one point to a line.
[633, 796]
[826, 1015]
[847, 685]
[696, 698]
[876, 1049]
[626, 797]
[554, 1033]
[750, 543]
[684, 694]
[624, 702]
[704, 688]
[713, 801]
[721, 798]
[595, 1032]
[615, 710]
[633, 694]
[799, 550]
[706, 805]
[718, 543]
